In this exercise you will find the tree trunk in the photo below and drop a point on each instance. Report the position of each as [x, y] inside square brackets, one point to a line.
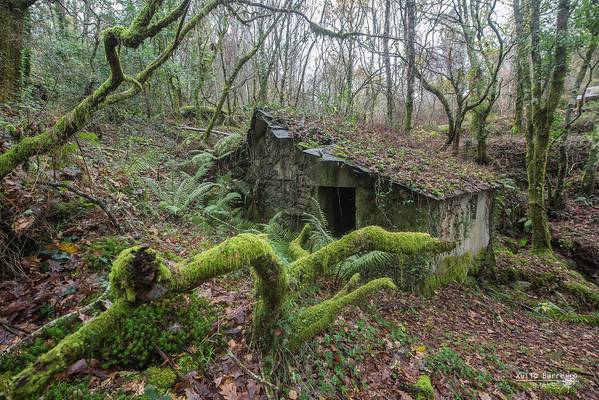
[387, 62]
[411, 62]
[231, 79]
[480, 125]
[541, 114]
[519, 64]
[558, 195]
[12, 23]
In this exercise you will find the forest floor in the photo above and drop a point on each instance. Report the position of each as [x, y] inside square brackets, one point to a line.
[475, 340]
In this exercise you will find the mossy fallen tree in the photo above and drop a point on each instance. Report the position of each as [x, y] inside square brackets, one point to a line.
[140, 277]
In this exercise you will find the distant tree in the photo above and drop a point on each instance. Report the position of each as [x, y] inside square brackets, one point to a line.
[12, 31]
[586, 26]
[520, 9]
[545, 87]
[410, 39]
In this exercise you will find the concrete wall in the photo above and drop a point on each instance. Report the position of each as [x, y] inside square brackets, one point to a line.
[286, 179]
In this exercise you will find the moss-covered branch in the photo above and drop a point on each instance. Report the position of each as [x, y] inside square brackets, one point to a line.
[139, 278]
[296, 246]
[315, 319]
[29, 383]
[128, 36]
[306, 269]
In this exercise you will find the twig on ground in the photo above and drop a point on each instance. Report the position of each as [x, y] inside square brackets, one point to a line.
[191, 128]
[251, 373]
[15, 330]
[73, 315]
[167, 359]
[97, 201]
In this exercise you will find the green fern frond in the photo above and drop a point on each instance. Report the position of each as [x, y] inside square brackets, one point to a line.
[373, 261]
[228, 145]
[276, 230]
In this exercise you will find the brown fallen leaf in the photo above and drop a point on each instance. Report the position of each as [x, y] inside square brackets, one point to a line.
[14, 307]
[229, 390]
[293, 394]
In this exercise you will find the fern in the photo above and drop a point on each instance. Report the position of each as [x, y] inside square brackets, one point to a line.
[203, 162]
[320, 235]
[367, 264]
[181, 193]
[276, 229]
[228, 145]
[552, 310]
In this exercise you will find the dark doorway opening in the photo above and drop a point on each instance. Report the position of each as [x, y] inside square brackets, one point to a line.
[339, 206]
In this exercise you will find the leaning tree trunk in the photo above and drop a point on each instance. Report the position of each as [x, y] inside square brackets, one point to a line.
[12, 23]
[139, 276]
[114, 39]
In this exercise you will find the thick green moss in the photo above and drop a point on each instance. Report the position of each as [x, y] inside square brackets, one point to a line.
[32, 380]
[370, 238]
[584, 291]
[71, 390]
[424, 388]
[162, 378]
[245, 250]
[309, 321]
[296, 249]
[128, 276]
[451, 269]
[169, 324]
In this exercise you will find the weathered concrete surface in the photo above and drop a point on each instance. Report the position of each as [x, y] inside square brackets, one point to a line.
[287, 178]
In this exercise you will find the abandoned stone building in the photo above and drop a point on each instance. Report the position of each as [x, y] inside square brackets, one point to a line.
[362, 177]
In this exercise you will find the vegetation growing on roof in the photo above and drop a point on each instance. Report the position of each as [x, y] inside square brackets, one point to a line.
[407, 161]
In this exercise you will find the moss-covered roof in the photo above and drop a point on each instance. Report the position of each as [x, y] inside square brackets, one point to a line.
[415, 162]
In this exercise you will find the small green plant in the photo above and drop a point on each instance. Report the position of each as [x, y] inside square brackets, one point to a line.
[162, 378]
[103, 251]
[424, 388]
[552, 310]
[588, 201]
[76, 390]
[448, 362]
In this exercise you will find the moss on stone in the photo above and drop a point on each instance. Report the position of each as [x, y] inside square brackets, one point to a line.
[586, 292]
[424, 388]
[451, 269]
[312, 320]
[162, 378]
